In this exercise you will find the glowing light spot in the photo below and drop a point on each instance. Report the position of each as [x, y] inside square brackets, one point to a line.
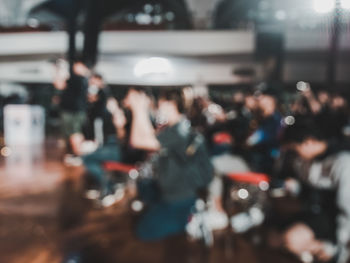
[302, 86]
[243, 193]
[289, 120]
[6, 151]
[264, 186]
[134, 174]
[137, 206]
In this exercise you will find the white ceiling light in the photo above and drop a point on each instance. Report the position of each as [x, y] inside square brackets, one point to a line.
[153, 67]
[323, 6]
[143, 19]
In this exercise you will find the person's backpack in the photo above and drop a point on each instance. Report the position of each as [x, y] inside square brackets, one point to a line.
[181, 169]
[198, 161]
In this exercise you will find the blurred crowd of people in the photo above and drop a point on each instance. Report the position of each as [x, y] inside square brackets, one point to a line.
[190, 139]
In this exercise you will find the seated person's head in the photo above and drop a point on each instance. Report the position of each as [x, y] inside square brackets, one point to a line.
[174, 97]
[338, 102]
[171, 105]
[267, 105]
[250, 102]
[306, 138]
[238, 99]
[323, 97]
[96, 80]
[266, 99]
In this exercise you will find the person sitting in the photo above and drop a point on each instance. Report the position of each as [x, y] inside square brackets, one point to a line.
[323, 167]
[110, 150]
[263, 143]
[180, 162]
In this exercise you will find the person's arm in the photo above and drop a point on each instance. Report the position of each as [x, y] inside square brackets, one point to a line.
[60, 77]
[119, 119]
[142, 135]
[314, 104]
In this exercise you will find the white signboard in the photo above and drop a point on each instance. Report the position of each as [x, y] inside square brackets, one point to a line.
[24, 125]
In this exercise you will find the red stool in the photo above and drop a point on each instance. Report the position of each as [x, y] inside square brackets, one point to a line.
[111, 166]
[249, 177]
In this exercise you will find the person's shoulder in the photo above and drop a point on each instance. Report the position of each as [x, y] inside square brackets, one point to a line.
[183, 126]
[344, 155]
[342, 159]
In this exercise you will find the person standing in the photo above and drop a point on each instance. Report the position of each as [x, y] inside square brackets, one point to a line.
[73, 103]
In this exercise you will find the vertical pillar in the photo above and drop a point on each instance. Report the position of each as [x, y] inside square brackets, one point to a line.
[334, 45]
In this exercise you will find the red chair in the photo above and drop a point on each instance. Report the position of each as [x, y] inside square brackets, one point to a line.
[249, 177]
[111, 166]
[222, 138]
